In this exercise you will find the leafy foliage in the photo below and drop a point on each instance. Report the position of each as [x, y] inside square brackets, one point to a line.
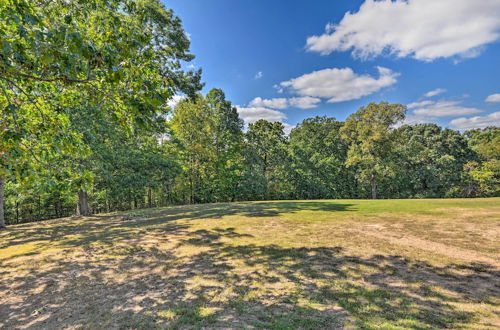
[266, 159]
[207, 133]
[111, 60]
[371, 138]
[318, 154]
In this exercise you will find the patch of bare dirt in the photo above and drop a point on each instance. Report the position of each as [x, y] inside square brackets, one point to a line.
[431, 246]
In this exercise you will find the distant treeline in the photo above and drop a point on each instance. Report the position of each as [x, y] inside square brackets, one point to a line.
[203, 154]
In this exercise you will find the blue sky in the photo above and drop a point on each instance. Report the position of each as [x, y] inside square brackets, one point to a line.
[306, 58]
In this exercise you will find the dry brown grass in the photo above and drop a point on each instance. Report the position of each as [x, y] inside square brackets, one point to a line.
[279, 265]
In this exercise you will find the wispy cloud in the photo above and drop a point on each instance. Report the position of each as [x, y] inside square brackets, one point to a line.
[429, 111]
[435, 92]
[305, 102]
[444, 109]
[493, 119]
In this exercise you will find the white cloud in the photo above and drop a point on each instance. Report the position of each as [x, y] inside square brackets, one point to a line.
[305, 102]
[419, 104]
[444, 109]
[278, 88]
[340, 85]
[493, 119]
[172, 103]
[259, 75]
[252, 114]
[416, 119]
[493, 98]
[435, 92]
[276, 103]
[288, 128]
[428, 111]
[422, 29]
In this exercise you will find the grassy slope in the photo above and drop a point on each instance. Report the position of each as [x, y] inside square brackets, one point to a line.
[391, 264]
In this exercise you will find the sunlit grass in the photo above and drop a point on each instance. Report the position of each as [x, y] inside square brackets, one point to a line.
[387, 264]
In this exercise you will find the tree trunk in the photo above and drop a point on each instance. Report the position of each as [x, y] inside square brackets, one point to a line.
[2, 218]
[264, 175]
[39, 209]
[191, 190]
[373, 182]
[150, 198]
[82, 207]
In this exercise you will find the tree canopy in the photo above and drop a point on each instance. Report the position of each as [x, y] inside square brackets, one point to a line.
[109, 60]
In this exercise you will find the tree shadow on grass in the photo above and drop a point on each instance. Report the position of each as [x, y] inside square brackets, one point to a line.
[245, 209]
[108, 228]
[222, 285]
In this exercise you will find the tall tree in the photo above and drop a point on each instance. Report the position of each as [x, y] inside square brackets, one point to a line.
[122, 57]
[209, 135]
[317, 157]
[228, 141]
[371, 136]
[266, 160]
[483, 174]
[430, 161]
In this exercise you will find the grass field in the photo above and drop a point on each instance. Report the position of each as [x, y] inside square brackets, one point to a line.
[391, 264]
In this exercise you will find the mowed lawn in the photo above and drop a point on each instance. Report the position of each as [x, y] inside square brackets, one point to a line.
[386, 264]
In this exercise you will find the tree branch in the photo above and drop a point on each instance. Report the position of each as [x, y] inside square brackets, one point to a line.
[54, 79]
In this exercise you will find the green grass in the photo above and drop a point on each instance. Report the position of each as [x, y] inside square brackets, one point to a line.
[386, 264]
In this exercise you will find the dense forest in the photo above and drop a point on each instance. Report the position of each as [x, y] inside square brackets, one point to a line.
[86, 127]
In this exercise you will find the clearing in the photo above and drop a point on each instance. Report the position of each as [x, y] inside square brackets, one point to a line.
[389, 264]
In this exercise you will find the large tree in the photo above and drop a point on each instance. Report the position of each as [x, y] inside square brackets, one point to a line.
[121, 57]
[317, 157]
[483, 174]
[429, 161]
[266, 160]
[209, 135]
[371, 136]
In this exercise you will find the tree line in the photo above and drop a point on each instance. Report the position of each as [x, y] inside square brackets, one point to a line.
[85, 127]
[203, 154]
